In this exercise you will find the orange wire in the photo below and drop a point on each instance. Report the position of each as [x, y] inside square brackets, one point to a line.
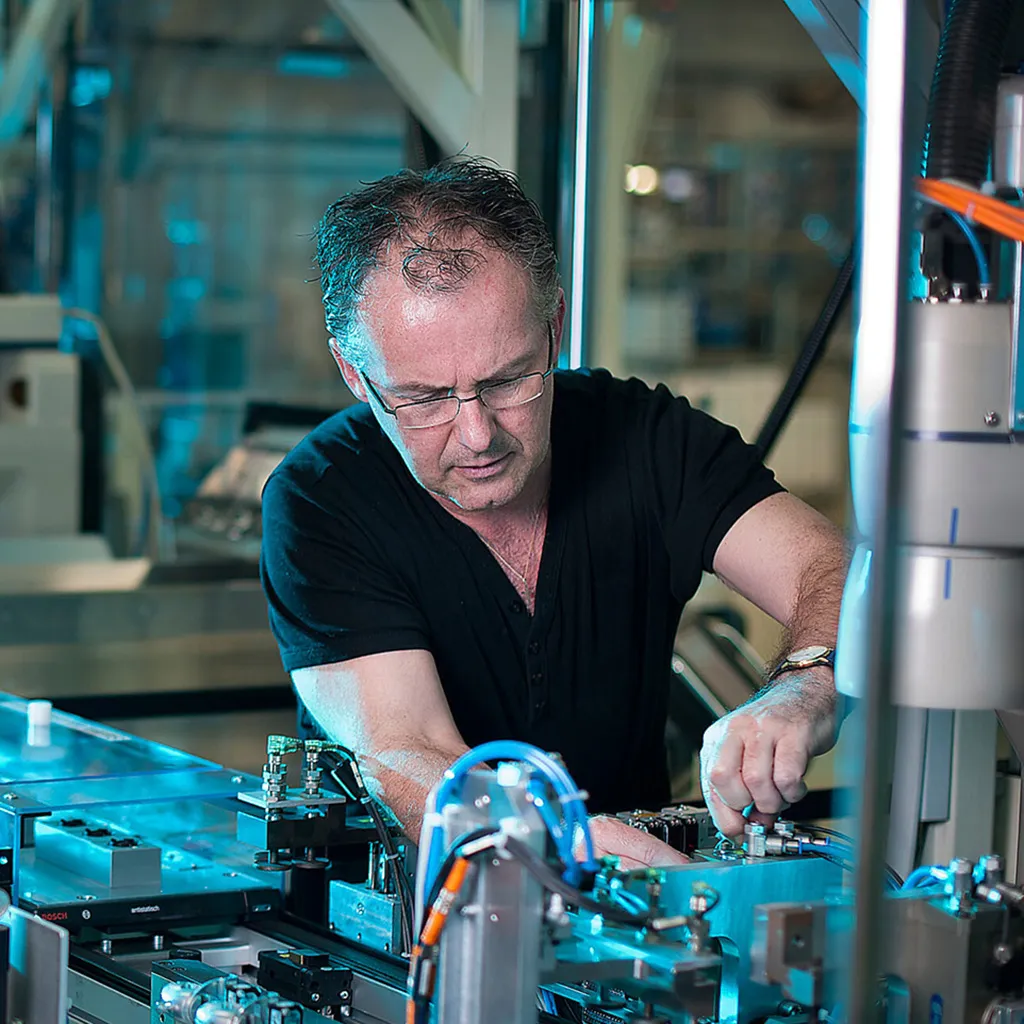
[985, 210]
[443, 903]
[431, 933]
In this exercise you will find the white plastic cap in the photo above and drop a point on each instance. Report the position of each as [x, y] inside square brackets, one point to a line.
[40, 712]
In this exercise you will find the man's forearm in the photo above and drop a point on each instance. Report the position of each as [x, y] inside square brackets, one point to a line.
[815, 616]
[401, 779]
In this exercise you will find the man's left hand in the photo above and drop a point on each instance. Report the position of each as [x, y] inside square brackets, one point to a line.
[756, 756]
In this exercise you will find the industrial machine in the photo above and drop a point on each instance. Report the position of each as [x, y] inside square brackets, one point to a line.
[223, 519]
[149, 885]
[40, 442]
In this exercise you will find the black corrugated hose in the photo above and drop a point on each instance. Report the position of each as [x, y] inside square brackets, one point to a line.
[962, 104]
[810, 355]
[961, 124]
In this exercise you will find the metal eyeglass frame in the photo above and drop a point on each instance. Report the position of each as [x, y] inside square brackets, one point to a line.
[479, 396]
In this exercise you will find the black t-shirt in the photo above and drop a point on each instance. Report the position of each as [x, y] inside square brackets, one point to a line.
[358, 559]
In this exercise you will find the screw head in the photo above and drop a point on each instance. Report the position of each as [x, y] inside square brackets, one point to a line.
[1020, 417]
[992, 419]
[10, 796]
[236, 779]
[314, 997]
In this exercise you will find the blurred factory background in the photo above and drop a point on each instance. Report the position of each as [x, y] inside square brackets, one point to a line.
[163, 164]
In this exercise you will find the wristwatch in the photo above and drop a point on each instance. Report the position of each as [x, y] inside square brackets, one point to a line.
[806, 657]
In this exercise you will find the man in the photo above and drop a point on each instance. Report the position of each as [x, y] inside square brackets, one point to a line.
[486, 549]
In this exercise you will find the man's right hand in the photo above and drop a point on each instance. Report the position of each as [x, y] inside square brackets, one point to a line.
[634, 849]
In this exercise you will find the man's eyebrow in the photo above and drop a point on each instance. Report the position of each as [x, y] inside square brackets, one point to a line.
[418, 389]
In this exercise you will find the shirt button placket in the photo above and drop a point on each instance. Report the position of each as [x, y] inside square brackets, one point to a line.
[535, 670]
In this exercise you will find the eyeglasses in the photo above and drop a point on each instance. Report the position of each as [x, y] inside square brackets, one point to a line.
[435, 412]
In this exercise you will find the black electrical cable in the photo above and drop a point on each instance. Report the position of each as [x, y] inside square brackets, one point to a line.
[446, 865]
[553, 882]
[394, 858]
[832, 833]
[541, 870]
[810, 355]
[353, 786]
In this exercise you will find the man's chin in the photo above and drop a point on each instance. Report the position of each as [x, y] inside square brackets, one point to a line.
[480, 496]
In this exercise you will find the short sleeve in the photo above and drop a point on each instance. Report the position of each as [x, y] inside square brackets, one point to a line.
[704, 476]
[331, 595]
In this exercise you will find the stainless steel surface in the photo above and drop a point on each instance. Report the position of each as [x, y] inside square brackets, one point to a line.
[37, 980]
[1005, 1011]
[291, 799]
[91, 849]
[936, 957]
[374, 1000]
[45, 885]
[742, 885]
[907, 789]
[101, 1002]
[1008, 149]
[894, 119]
[162, 638]
[666, 974]
[584, 135]
[490, 958]
[938, 766]
[146, 613]
[365, 915]
[1013, 725]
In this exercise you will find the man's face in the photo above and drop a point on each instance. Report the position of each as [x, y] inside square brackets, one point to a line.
[427, 344]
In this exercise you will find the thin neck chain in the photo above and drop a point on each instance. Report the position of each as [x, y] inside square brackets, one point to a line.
[529, 563]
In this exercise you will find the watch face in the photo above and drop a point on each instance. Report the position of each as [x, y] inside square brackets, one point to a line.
[806, 654]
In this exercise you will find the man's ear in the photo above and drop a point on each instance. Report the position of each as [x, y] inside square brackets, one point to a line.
[348, 372]
[558, 327]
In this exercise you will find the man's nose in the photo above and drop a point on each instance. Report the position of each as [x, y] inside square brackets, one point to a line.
[475, 425]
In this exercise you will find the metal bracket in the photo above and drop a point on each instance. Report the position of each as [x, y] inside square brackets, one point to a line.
[461, 82]
[40, 34]
[839, 29]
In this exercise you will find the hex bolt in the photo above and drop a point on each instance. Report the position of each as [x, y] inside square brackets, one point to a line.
[755, 840]
[993, 867]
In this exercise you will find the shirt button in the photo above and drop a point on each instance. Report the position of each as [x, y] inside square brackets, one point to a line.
[539, 705]
[517, 607]
[537, 677]
[534, 647]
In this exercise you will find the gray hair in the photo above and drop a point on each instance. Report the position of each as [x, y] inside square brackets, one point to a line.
[440, 224]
